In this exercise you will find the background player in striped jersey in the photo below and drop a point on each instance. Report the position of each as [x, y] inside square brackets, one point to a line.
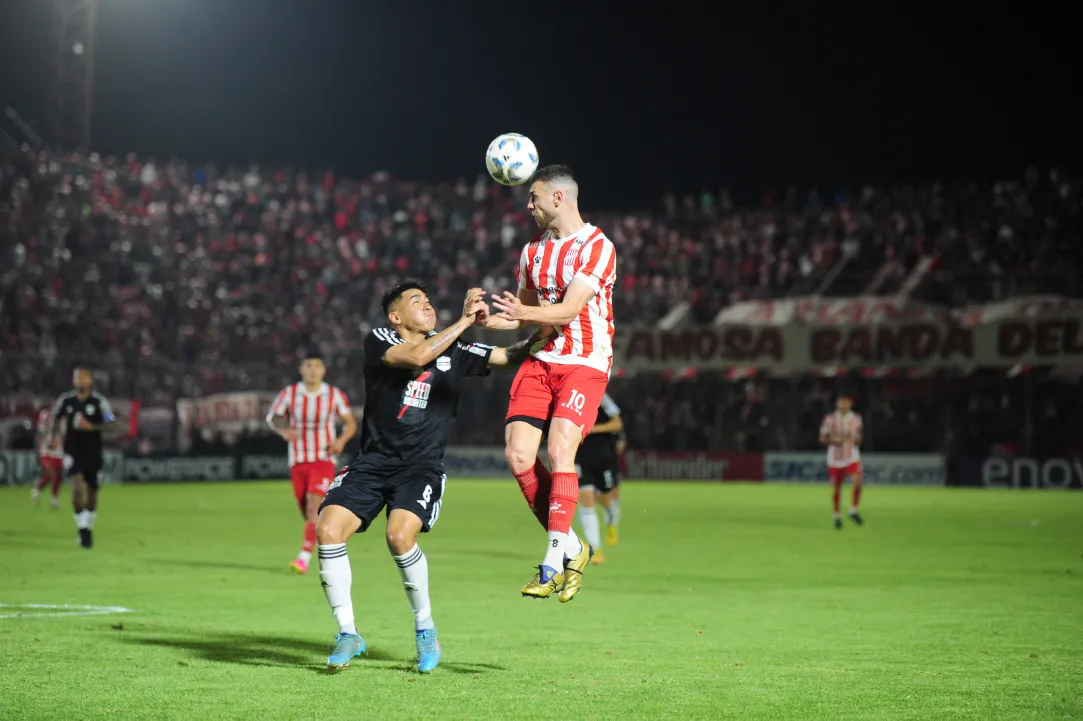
[51, 457]
[599, 476]
[841, 433]
[566, 278]
[306, 414]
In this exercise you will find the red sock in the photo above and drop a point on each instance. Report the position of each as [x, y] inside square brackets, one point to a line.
[310, 537]
[535, 485]
[562, 501]
[836, 491]
[43, 481]
[855, 497]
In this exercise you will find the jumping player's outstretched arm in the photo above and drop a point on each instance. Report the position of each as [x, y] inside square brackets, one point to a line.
[595, 267]
[495, 322]
[577, 296]
[419, 354]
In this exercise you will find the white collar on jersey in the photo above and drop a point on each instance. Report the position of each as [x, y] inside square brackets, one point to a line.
[587, 228]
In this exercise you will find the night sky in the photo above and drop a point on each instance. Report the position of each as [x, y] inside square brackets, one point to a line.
[636, 103]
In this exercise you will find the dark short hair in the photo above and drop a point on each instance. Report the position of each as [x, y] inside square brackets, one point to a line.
[83, 367]
[312, 355]
[395, 292]
[552, 173]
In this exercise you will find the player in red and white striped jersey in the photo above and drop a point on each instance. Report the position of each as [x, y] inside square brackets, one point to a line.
[841, 433]
[306, 414]
[566, 279]
[51, 457]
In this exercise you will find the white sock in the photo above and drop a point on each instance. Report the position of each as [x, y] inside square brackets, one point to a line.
[588, 519]
[83, 520]
[554, 550]
[853, 510]
[414, 569]
[572, 545]
[612, 514]
[90, 516]
[336, 577]
[304, 556]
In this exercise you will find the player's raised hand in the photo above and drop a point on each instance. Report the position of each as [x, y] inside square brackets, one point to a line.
[474, 299]
[481, 317]
[508, 306]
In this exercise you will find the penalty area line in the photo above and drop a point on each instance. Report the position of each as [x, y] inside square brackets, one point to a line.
[19, 610]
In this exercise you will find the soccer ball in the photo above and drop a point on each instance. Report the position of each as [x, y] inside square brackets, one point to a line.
[511, 159]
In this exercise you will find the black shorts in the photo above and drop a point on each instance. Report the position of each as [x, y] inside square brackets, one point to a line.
[87, 465]
[366, 491]
[602, 476]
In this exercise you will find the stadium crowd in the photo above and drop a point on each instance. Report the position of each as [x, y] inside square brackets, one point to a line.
[181, 281]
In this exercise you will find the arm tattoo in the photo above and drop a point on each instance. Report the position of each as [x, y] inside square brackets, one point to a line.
[440, 342]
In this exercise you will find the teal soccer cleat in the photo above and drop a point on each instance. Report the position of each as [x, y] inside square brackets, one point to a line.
[348, 646]
[428, 650]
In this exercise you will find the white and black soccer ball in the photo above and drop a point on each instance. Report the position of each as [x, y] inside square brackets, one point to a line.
[511, 159]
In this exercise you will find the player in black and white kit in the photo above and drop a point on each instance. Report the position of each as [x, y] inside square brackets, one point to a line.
[599, 476]
[85, 413]
[413, 378]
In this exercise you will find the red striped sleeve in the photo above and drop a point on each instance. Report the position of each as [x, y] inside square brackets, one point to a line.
[323, 432]
[342, 403]
[594, 246]
[302, 434]
[279, 407]
[547, 259]
[526, 263]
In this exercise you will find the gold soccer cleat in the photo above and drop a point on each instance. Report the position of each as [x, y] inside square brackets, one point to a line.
[573, 573]
[612, 535]
[543, 589]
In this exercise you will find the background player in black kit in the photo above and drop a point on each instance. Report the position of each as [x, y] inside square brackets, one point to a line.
[85, 413]
[413, 377]
[599, 476]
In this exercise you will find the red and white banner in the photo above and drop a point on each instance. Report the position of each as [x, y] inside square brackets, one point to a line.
[814, 310]
[229, 412]
[682, 466]
[803, 335]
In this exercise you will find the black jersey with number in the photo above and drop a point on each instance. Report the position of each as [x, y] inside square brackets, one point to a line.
[95, 408]
[601, 447]
[409, 412]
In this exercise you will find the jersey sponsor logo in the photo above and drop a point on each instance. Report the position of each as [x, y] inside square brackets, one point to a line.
[443, 363]
[90, 409]
[417, 393]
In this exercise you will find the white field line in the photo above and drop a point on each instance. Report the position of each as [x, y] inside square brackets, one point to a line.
[62, 609]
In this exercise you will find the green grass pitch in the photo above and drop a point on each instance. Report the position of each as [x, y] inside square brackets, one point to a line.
[722, 601]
